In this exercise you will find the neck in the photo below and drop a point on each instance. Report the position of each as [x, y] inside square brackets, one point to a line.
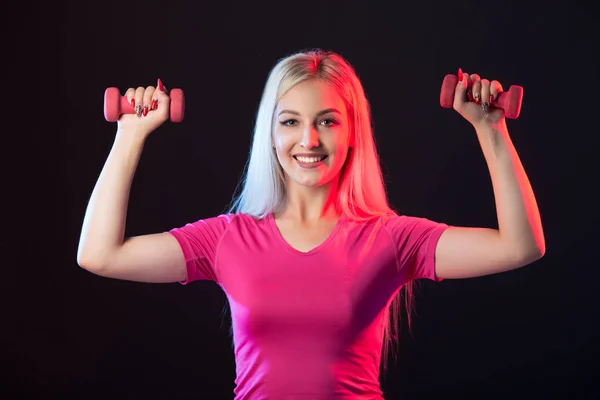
[311, 204]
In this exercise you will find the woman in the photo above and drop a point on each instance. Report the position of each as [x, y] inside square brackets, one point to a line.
[311, 255]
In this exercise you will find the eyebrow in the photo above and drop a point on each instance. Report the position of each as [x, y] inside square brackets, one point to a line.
[328, 110]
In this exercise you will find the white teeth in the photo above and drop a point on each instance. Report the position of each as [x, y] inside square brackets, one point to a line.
[309, 159]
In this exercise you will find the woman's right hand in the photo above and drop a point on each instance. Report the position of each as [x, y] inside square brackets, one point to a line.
[153, 109]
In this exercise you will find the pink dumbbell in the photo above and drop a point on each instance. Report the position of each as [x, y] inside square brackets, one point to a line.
[115, 105]
[509, 101]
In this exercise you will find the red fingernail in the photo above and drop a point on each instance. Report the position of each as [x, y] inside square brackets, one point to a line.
[470, 95]
[460, 75]
[145, 112]
[154, 104]
[491, 99]
[160, 85]
[132, 102]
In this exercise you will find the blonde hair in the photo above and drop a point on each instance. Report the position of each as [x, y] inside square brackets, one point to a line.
[362, 194]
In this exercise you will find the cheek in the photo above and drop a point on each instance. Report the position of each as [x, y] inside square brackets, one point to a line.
[282, 144]
[341, 144]
[279, 141]
[341, 156]
[283, 140]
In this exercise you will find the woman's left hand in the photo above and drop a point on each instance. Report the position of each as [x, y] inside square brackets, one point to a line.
[474, 99]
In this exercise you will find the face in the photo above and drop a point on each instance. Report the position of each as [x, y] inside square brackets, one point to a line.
[311, 133]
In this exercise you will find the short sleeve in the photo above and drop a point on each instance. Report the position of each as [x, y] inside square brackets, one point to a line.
[199, 242]
[416, 240]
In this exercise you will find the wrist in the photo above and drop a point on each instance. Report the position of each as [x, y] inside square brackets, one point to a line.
[132, 140]
[487, 127]
[133, 135]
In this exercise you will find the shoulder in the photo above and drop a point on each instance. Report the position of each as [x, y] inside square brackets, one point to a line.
[400, 221]
[215, 224]
[390, 220]
[369, 225]
[228, 220]
[214, 229]
[408, 228]
[236, 222]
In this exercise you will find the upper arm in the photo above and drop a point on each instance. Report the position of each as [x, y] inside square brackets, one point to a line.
[183, 254]
[155, 258]
[471, 252]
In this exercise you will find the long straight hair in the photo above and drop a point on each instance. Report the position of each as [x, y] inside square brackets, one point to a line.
[362, 194]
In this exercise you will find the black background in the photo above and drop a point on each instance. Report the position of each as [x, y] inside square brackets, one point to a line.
[525, 334]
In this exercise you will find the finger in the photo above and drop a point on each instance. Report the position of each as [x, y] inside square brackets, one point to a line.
[139, 100]
[485, 94]
[495, 90]
[460, 90]
[129, 94]
[469, 91]
[476, 81]
[159, 88]
[147, 100]
[161, 96]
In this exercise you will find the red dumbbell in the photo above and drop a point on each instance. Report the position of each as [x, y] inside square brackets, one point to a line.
[115, 105]
[509, 101]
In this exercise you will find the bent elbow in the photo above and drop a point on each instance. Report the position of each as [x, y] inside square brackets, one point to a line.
[89, 264]
[532, 254]
[539, 250]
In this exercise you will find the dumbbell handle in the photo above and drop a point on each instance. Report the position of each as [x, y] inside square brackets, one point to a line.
[115, 105]
[509, 101]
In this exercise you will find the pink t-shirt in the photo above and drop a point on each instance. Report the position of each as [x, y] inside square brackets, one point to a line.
[308, 325]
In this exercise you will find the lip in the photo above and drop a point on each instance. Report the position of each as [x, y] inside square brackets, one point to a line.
[311, 165]
[309, 155]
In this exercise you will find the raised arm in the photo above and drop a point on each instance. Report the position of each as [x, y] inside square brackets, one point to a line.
[470, 252]
[103, 249]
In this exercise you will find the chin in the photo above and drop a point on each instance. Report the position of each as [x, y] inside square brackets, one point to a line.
[310, 182]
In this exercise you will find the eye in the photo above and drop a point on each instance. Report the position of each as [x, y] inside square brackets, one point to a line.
[288, 122]
[330, 122]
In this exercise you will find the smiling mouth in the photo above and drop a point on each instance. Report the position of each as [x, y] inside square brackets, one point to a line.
[311, 159]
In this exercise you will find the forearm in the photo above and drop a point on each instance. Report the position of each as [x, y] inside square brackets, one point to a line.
[518, 215]
[104, 222]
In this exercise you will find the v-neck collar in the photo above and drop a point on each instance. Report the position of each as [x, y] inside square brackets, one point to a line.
[314, 250]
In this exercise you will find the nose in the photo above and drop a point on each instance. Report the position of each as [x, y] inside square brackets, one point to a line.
[310, 138]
